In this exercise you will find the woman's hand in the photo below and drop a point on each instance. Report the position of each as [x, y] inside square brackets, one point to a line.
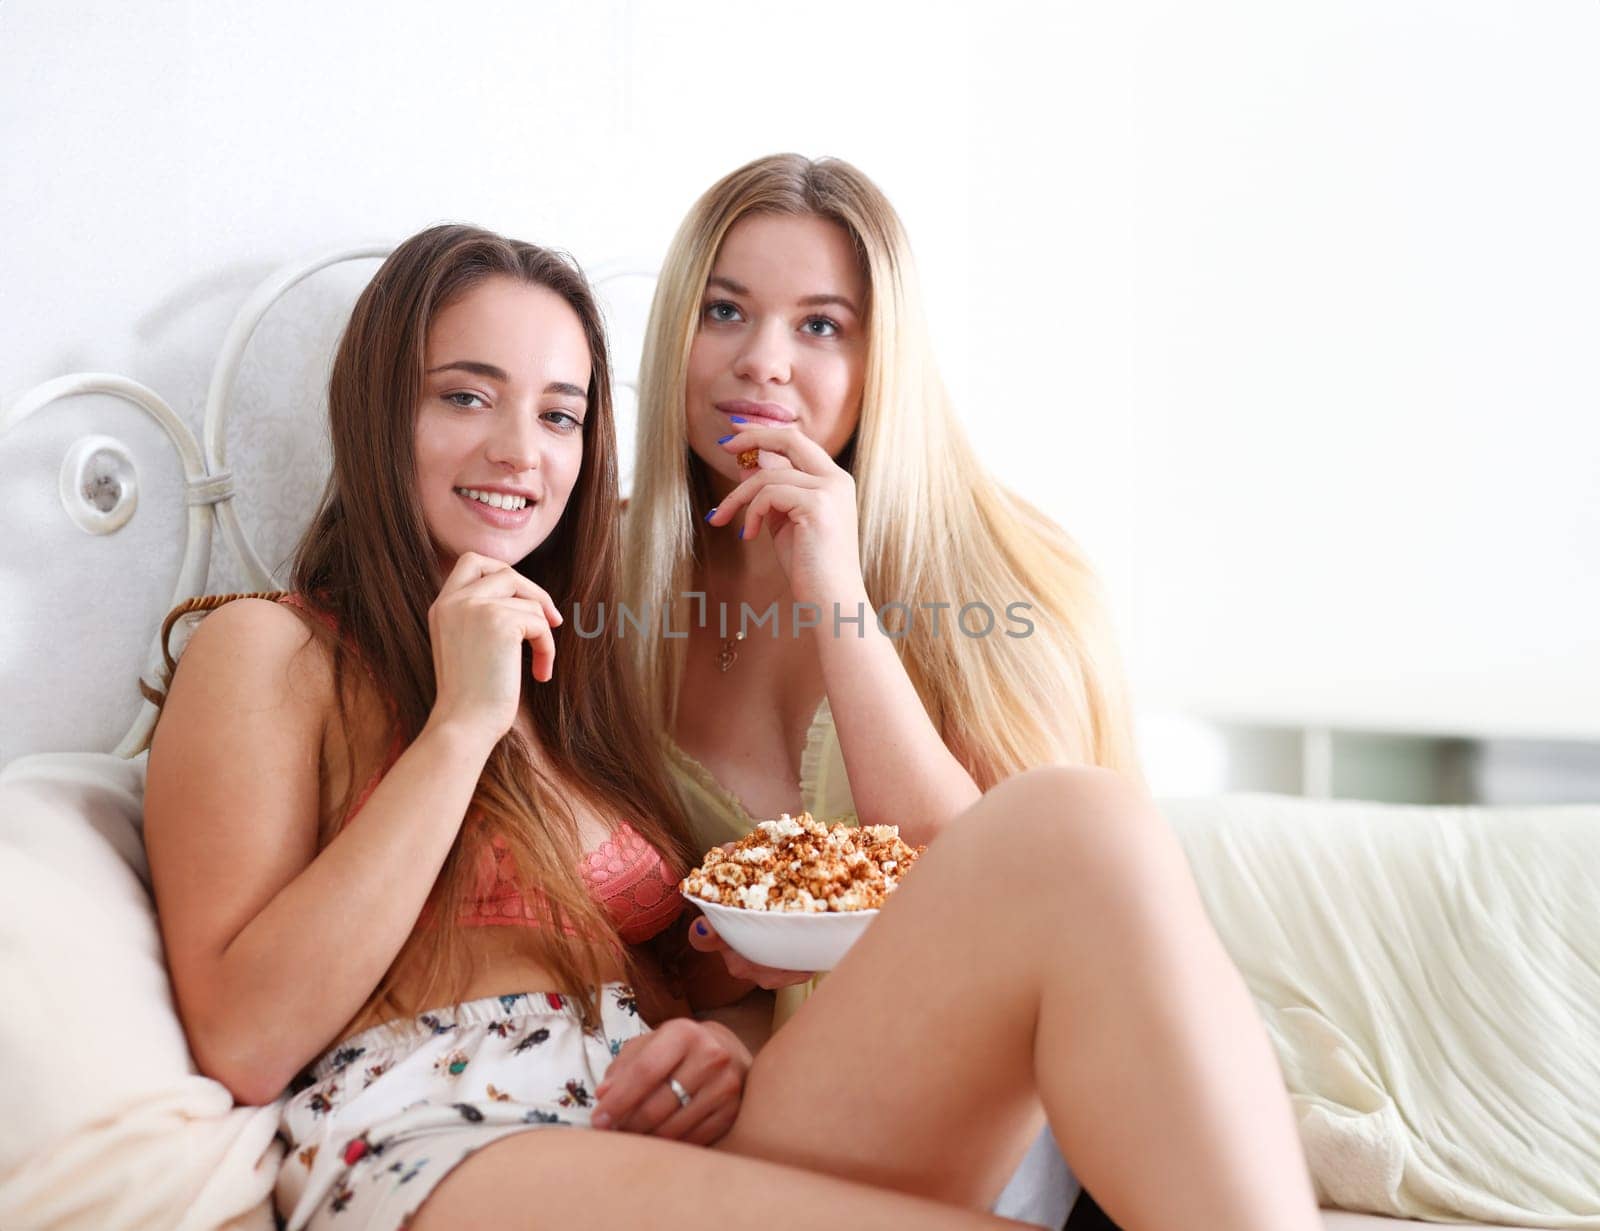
[703, 937]
[705, 1059]
[484, 612]
[809, 505]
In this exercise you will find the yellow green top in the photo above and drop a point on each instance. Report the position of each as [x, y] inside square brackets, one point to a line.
[716, 815]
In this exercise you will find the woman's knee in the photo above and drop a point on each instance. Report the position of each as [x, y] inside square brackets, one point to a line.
[1065, 823]
[1066, 803]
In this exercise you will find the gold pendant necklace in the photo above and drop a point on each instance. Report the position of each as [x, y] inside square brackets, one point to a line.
[728, 653]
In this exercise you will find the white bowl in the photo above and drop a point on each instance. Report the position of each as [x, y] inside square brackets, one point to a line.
[787, 939]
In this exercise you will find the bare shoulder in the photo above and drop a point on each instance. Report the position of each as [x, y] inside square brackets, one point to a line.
[273, 628]
[245, 716]
[234, 783]
[259, 648]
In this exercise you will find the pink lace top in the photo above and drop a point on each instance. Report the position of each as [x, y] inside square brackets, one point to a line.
[626, 875]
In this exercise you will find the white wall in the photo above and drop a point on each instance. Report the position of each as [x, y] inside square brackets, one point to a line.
[1286, 309]
[1366, 377]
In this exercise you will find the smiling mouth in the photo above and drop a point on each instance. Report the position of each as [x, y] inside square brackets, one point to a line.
[494, 500]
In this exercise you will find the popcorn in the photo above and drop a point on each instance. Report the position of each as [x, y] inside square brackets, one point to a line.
[749, 459]
[801, 865]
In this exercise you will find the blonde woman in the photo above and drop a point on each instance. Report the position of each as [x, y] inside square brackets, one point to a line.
[959, 635]
[797, 454]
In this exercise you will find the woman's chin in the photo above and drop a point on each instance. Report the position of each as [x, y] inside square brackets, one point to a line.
[722, 472]
[506, 548]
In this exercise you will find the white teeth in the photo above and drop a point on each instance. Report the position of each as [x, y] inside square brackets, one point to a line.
[495, 500]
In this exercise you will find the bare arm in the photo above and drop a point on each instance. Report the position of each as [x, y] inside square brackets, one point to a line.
[901, 772]
[273, 947]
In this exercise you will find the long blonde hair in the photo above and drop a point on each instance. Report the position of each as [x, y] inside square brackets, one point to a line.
[934, 525]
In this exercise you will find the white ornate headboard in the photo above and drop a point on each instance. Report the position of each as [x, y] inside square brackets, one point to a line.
[110, 503]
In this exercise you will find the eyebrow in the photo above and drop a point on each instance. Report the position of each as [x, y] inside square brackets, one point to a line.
[808, 301]
[488, 370]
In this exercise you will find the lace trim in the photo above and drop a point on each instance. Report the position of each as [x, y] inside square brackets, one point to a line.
[633, 884]
[627, 875]
[702, 778]
[811, 758]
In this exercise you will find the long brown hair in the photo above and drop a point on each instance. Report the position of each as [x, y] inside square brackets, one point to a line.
[368, 562]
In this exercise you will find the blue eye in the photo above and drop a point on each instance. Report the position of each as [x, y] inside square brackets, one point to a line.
[722, 311]
[821, 327]
[472, 403]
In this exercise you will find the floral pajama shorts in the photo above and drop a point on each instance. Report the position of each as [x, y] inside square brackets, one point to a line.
[381, 1119]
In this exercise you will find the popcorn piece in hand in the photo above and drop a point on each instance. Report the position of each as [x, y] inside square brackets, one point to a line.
[798, 864]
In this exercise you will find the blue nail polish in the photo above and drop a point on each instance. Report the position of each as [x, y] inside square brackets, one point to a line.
[722, 440]
[741, 532]
[711, 514]
[736, 419]
[699, 927]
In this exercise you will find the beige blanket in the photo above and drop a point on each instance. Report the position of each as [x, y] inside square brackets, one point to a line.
[1431, 979]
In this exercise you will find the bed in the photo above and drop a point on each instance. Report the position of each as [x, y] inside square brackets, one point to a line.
[1367, 933]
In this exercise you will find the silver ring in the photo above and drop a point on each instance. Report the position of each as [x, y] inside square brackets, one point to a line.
[678, 1091]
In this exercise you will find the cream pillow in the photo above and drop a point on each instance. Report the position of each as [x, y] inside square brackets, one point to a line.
[104, 1121]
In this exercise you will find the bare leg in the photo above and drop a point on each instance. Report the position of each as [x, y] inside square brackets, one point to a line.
[564, 1178]
[1050, 946]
